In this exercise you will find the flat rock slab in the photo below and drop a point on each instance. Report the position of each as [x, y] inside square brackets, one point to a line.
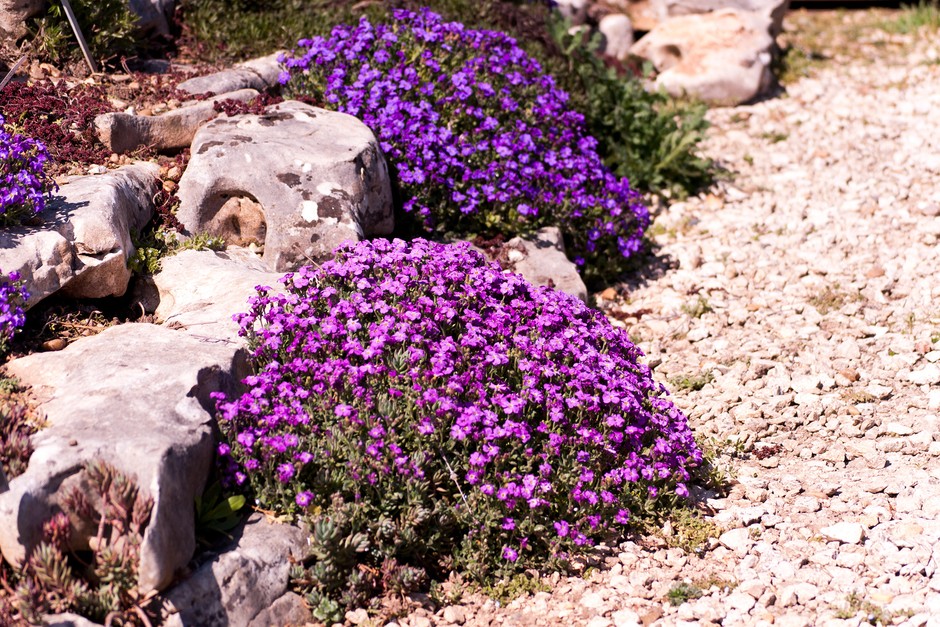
[723, 57]
[123, 132]
[297, 179]
[261, 74]
[138, 397]
[200, 291]
[243, 581]
[84, 242]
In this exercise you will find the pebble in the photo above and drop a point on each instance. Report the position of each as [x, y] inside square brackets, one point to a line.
[844, 532]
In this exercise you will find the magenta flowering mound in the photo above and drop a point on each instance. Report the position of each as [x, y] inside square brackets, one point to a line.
[448, 413]
[23, 181]
[482, 140]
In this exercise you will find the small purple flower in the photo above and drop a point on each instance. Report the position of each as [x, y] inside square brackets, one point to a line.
[510, 554]
[303, 499]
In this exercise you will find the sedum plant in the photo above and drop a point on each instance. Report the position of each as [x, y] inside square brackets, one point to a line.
[24, 183]
[102, 586]
[424, 412]
[482, 140]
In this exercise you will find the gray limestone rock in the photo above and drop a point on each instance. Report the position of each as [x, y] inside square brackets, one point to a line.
[13, 14]
[774, 9]
[123, 132]
[541, 259]
[298, 180]
[261, 73]
[154, 14]
[200, 291]
[84, 243]
[243, 583]
[136, 396]
[723, 57]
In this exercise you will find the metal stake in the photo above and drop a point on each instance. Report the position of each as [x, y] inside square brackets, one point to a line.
[78, 35]
[9, 76]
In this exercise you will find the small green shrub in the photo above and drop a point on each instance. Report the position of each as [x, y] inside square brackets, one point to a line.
[155, 245]
[109, 27]
[217, 513]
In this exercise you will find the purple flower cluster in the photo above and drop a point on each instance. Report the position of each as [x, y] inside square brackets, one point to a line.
[13, 297]
[423, 363]
[23, 182]
[481, 138]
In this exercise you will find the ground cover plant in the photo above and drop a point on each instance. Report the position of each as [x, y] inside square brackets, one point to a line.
[24, 182]
[426, 412]
[481, 139]
[99, 584]
[60, 117]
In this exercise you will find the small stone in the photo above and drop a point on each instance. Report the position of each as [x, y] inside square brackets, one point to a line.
[737, 540]
[740, 601]
[845, 532]
[651, 616]
[896, 428]
[849, 374]
[599, 621]
[455, 614]
[626, 618]
[592, 600]
[879, 391]
[55, 344]
[928, 375]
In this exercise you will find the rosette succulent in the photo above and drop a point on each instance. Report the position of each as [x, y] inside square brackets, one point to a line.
[482, 140]
[452, 415]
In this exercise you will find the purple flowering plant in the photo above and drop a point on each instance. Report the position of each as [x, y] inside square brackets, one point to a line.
[448, 415]
[24, 184]
[13, 297]
[482, 140]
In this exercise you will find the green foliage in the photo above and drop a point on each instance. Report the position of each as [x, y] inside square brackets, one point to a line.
[690, 531]
[699, 308]
[333, 579]
[217, 513]
[682, 592]
[101, 586]
[645, 136]
[153, 246]
[511, 588]
[921, 18]
[691, 382]
[109, 27]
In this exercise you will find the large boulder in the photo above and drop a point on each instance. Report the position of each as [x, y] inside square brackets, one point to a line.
[136, 396]
[774, 9]
[155, 15]
[723, 58]
[83, 244]
[297, 179]
[261, 74]
[200, 291]
[243, 581]
[123, 132]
